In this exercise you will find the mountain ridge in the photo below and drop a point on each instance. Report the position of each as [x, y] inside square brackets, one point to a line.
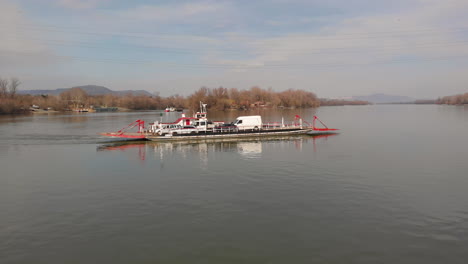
[380, 98]
[89, 89]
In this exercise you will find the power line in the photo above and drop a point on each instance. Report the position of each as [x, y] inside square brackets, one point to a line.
[145, 49]
[143, 34]
[363, 35]
[250, 67]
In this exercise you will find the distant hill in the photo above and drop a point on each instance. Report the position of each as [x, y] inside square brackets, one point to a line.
[384, 98]
[89, 89]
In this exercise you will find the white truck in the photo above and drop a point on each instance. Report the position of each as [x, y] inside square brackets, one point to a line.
[248, 122]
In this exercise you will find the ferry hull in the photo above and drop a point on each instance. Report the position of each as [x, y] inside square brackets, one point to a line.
[125, 135]
[321, 131]
[214, 136]
[246, 134]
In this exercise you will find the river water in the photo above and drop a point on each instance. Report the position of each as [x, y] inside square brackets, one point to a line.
[392, 187]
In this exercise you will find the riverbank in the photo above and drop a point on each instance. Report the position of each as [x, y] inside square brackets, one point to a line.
[216, 99]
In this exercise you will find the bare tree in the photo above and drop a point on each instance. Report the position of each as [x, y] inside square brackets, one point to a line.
[75, 97]
[14, 83]
[3, 87]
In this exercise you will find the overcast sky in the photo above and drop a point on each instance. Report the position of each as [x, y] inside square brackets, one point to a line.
[334, 48]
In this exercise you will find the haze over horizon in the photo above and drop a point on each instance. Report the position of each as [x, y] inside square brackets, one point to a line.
[416, 48]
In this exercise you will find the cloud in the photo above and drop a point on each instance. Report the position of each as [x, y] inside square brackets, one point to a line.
[423, 32]
[173, 12]
[242, 43]
[293, 22]
[81, 4]
[17, 48]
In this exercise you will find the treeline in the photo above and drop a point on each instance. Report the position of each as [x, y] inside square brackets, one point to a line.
[78, 98]
[216, 98]
[454, 99]
[8, 95]
[255, 97]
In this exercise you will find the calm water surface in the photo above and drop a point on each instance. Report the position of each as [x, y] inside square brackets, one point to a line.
[391, 188]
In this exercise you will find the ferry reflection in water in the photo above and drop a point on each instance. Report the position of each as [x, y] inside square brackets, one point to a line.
[247, 148]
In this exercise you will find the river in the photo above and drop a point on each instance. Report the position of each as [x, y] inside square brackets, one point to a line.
[390, 188]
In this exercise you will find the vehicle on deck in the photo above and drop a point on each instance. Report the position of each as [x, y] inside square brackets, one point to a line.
[176, 129]
[248, 122]
[199, 127]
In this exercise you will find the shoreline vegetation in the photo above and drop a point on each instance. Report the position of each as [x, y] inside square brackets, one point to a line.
[459, 99]
[222, 99]
[76, 99]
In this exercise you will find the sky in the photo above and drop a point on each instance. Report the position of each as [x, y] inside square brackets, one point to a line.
[334, 48]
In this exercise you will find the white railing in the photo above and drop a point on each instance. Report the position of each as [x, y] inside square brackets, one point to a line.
[279, 125]
[228, 129]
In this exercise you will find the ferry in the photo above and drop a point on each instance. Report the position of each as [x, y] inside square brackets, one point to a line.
[200, 127]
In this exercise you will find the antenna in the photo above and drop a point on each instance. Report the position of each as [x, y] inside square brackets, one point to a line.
[202, 107]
